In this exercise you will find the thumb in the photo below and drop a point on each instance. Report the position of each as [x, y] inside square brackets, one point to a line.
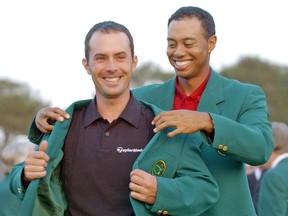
[43, 146]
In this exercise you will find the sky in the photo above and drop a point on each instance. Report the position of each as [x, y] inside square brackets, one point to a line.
[42, 42]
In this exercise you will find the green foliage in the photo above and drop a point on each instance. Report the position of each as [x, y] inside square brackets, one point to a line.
[272, 78]
[18, 107]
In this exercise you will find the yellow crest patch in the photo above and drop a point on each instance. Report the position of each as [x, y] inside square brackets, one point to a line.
[159, 168]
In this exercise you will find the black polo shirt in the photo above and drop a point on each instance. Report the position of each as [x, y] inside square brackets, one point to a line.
[98, 158]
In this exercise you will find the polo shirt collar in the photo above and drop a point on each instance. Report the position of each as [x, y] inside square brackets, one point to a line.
[131, 113]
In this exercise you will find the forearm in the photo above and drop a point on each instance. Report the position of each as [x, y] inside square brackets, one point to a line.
[251, 143]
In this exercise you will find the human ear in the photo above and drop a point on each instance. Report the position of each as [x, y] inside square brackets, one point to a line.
[212, 43]
[86, 65]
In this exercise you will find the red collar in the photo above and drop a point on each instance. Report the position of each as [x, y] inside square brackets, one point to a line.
[182, 101]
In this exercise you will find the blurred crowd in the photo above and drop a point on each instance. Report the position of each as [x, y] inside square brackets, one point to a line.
[13, 153]
[268, 183]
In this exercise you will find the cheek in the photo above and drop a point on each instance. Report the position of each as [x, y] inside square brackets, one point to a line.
[169, 52]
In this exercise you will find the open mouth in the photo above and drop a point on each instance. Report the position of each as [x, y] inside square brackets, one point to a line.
[112, 79]
[182, 63]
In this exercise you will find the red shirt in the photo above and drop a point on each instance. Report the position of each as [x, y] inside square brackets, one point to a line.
[182, 101]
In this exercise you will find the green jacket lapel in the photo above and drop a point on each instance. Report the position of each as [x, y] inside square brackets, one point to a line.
[208, 102]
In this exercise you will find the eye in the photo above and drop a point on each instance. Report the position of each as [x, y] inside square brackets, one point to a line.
[171, 45]
[188, 45]
[99, 58]
[121, 57]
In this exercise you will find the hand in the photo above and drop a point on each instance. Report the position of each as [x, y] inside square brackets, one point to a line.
[185, 121]
[49, 114]
[143, 186]
[36, 162]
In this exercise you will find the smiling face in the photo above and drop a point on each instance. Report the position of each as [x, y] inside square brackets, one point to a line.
[110, 64]
[188, 50]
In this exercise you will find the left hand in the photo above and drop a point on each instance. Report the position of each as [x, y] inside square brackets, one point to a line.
[143, 186]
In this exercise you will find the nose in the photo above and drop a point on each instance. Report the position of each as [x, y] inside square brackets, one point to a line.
[111, 65]
[179, 50]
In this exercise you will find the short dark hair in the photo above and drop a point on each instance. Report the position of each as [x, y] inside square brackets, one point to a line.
[202, 15]
[107, 27]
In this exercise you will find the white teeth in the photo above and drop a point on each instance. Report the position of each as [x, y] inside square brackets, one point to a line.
[112, 79]
[182, 63]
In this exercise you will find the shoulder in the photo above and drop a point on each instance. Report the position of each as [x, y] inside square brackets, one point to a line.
[235, 85]
[276, 175]
[78, 105]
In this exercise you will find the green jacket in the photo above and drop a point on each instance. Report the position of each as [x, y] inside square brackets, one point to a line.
[10, 204]
[185, 188]
[242, 135]
[273, 192]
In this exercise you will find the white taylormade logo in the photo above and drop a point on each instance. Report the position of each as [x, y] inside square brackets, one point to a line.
[127, 150]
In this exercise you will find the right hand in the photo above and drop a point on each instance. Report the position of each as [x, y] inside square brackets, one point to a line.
[47, 115]
[36, 162]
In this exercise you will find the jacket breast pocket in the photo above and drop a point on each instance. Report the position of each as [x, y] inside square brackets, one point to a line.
[159, 164]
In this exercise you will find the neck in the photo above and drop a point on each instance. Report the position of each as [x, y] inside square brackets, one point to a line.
[111, 109]
[189, 85]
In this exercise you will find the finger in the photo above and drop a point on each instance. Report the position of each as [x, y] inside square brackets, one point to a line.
[134, 187]
[43, 125]
[56, 113]
[174, 133]
[61, 112]
[43, 146]
[161, 116]
[39, 155]
[137, 172]
[34, 155]
[30, 175]
[136, 179]
[144, 193]
[165, 124]
[35, 168]
[137, 196]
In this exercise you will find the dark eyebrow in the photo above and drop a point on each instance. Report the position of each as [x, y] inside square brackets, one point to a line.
[187, 38]
[122, 52]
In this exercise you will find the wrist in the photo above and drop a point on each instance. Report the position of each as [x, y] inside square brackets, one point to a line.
[25, 181]
[209, 127]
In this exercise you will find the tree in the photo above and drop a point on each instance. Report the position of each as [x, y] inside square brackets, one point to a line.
[272, 78]
[18, 107]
